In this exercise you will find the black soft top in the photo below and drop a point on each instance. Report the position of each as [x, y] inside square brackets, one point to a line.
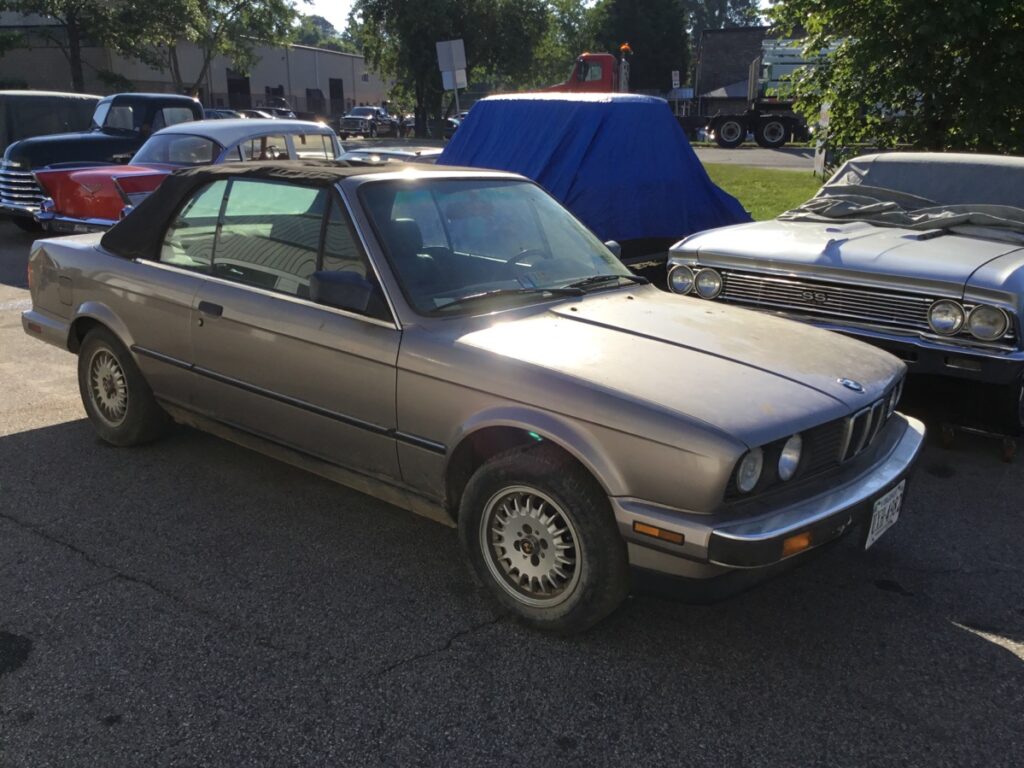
[140, 234]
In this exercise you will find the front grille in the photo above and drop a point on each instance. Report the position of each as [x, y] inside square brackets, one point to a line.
[839, 303]
[19, 188]
[828, 445]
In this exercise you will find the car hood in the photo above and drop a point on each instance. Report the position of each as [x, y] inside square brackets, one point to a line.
[858, 251]
[751, 376]
[85, 146]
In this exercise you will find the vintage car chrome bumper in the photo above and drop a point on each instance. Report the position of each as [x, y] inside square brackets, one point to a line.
[752, 536]
[16, 209]
[69, 225]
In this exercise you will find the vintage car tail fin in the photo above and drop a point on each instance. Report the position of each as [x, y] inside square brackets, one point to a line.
[136, 187]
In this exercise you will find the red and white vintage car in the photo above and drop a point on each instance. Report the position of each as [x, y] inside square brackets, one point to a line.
[94, 197]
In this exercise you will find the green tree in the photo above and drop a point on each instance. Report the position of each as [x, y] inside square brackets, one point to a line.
[568, 32]
[911, 72]
[399, 36]
[77, 21]
[320, 33]
[654, 29]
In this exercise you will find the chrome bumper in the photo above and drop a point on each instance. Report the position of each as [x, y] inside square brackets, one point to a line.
[71, 226]
[17, 209]
[714, 545]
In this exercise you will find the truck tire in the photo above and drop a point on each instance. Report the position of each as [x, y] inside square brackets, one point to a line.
[539, 533]
[771, 132]
[730, 132]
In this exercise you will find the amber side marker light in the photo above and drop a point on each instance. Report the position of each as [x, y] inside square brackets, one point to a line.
[658, 533]
[34, 327]
[797, 543]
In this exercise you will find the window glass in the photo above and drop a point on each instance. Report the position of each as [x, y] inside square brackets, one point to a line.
[312, 146]
[188, 242]
[593, 72]
[343, 253]
[265, 148]
[451, 239]
[172, 116]
[270, 235]
[100, 114]
[120, 118]
[177, 149]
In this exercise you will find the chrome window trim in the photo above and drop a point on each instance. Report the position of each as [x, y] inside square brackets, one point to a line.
[272, 294]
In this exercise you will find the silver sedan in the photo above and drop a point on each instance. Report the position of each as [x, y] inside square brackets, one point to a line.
[457, 343]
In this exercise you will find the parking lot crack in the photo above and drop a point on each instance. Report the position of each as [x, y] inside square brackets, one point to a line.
[442, 649]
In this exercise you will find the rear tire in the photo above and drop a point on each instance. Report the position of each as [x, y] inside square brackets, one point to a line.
[730, 132]
[538, 532]
[117, 398]
[771, 133]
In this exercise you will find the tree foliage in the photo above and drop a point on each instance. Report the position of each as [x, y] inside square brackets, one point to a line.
[320, 33]
[399, 36]
[910, 72]
[654, 29]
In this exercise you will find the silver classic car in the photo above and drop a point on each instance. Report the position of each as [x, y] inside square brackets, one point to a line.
[456, 343]
[921, 254]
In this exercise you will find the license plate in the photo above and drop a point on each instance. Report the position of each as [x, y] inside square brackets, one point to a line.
[886, 512]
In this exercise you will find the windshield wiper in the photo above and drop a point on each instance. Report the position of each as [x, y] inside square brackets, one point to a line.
[595, 280]
[569, 290]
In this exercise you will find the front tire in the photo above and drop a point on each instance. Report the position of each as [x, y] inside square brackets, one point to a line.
[539, 533]
[117, 399]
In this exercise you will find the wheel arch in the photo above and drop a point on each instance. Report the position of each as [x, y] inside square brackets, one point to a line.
[493, 433]
[91, 315]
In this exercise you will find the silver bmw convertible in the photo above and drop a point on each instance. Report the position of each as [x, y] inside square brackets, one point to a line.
[458, 344]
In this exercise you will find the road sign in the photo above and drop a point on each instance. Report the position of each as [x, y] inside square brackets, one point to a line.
[451, 55]
[453, 80]
[675, 79]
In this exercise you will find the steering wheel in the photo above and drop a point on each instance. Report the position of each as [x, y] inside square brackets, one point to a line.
[526, 252]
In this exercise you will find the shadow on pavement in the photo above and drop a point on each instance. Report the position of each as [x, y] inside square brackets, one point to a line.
[282, 614]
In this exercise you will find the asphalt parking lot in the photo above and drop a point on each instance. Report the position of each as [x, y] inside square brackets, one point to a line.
[193, 603]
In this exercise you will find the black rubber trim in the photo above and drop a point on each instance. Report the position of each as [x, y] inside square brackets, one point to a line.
[352, 421]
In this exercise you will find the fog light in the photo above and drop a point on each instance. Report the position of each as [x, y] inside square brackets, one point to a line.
[797, 543]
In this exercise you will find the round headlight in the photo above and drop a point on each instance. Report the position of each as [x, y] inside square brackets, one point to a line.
[789, 459]
[987, 323]
[946, 317]
[708, 283]
[749, 471]
[680, 279]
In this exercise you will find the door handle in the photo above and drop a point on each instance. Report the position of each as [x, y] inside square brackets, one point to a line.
[208, 308]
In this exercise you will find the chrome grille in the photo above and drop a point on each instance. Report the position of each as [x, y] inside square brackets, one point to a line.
[828, 300]
[19, 188]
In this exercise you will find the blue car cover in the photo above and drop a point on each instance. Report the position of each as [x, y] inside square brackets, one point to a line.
[620, 162]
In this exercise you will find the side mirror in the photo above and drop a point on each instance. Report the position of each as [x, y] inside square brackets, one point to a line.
[614, 247]
[344, 290]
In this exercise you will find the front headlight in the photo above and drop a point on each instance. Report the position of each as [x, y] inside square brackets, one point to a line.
[708, 283]
[749, 470]
[946, 317]
[680, 279]
[987, 323]
[789, 459]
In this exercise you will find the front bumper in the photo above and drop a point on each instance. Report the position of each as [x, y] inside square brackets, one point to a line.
[752, 536]
[17, 209]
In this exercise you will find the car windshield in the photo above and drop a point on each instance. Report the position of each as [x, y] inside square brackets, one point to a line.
[361, 112]
[177, 149]
[461, 246]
